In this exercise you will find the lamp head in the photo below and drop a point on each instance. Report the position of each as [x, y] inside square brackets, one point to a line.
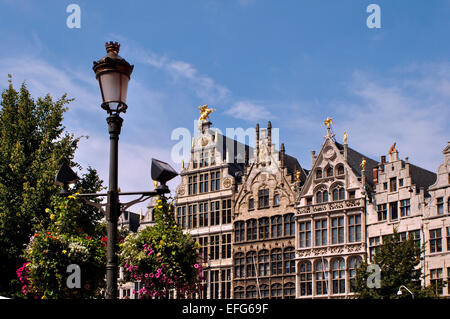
[65, 177]
[162, 172]
[399, 292]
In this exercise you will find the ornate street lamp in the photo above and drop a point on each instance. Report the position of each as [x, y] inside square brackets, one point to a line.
[113, 74]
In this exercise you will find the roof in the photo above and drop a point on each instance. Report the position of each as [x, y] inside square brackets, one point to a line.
[421, 177]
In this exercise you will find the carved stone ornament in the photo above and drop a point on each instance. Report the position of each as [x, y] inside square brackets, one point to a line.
[181, 190]
[227, 182]
[329, 153]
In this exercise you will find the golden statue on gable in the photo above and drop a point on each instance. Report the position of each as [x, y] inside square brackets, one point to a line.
[345, 137]
[363, 164]
[328, 122]
[204, 113]
[393, 149]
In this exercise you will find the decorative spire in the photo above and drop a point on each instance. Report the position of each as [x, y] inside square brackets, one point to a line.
[112, 47]
[182, 164]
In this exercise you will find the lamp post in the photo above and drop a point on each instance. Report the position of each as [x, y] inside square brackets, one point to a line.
[113, 74]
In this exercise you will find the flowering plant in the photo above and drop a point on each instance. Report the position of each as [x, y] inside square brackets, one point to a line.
[162, 257]
[52, 250]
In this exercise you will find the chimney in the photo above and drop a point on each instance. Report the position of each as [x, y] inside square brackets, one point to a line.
[345, 151]
[375, 175]
[257, 141]
[269, 135]
[383, 159]
[282, 152]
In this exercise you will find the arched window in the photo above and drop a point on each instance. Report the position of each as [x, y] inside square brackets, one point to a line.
[250, 292]
[329, 171]
[319, 197]
[338, 275]
[353, 264]
[251, 204]
[321, 275]
[340, 169]
[319, 173]
[263, 263]
[305, 278]
[264, 291]
[325, 196]
[276, 291]
[239, 231]
[338, 193]
[250, 262]
[289, 290]
[239, 292]
[251, 229]
[263, 228]
[289, 260]
[276, 261]
[276, 226]
[239, 265]
[448, 204]
[289, 225]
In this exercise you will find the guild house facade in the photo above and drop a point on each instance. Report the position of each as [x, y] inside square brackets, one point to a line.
[268, 228]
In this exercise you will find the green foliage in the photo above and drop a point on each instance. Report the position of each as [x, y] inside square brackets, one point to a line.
[52, 250]
[33, 145]
[162, 257]
[400, 265]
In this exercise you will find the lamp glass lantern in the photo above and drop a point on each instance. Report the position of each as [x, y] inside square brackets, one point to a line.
[113, 74]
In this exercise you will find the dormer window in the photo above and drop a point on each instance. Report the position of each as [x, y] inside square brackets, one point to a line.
[263, 198]
[340, 169]
[322, 197]
[319, 173]
[338, 193]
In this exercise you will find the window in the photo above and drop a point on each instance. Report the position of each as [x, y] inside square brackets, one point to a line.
[374, 242]
[203, 241]
[321, 274]
[214, 284]
[276, 226]
[305, 279]
[402, 236]
[400, 182]
[203, 214]
[405, 208]
[435, 240]
[250, 292]
[215, 213]
[321, 232]
[276, 200]
[340, 169]
[263, 198]
[338, 276]
[251, 229]
[321, 197]
[263, 263]
[354, 228]
[251, 204]
[214, 248]
[338, 193]
[276, 292]
[263, 228]
[329, 171]
[305, 234]
[289, 225]
[226, 246]
[319, 173]
[265, 293]
[239, 231]
[239, 265]
[289, 260]
[353, 264]
[325, 196]
[337, 230]
[239, 292]
[393, 184]
[448, 241]
[204, 157]
[351, 194]
[382, 212]
[393, 208]
[226, 211]
[448, 207]
[276, 262]
[203, 184]
[190, 216]
[181, 212]
[385, 186]
[289, 290]
[225, 284]
[436, 280]
[192, 185]
[215, 181]
[415, 234]
[250, 262]
[440, 205]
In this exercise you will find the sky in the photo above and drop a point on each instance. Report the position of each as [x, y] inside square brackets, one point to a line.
[292, 62]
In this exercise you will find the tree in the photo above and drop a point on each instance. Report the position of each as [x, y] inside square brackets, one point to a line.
[399, 263]
[162, 257]
[33, 145]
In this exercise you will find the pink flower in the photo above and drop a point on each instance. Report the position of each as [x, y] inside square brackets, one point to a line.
[196, 266]
[151, 275]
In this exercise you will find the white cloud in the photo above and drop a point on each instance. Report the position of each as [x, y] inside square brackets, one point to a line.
[249, 111]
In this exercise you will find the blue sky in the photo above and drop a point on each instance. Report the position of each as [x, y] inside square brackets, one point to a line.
[292, 62]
